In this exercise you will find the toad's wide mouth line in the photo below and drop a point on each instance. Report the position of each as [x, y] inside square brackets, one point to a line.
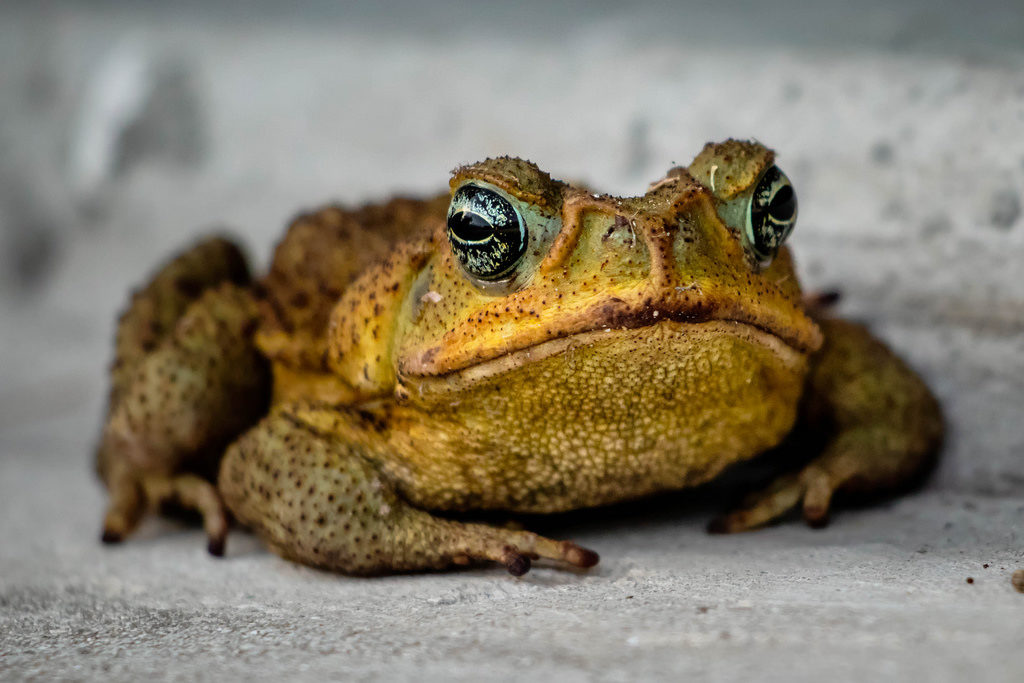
[512, 359]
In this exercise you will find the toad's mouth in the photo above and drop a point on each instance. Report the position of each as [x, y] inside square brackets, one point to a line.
[670, 335]
[786, 329]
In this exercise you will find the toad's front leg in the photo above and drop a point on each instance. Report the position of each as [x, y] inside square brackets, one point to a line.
[884, 429]
[322, 501]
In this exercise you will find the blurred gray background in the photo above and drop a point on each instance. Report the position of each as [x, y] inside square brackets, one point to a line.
[129, 128]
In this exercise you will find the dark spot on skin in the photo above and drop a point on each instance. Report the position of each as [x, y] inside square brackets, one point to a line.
[300, 299]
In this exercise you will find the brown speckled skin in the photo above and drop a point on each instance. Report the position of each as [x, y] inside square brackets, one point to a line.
[637, 347]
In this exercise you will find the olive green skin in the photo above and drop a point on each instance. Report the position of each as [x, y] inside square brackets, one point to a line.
[639, 345]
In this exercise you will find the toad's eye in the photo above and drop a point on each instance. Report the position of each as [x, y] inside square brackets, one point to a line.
[488, 235]
[772, 214]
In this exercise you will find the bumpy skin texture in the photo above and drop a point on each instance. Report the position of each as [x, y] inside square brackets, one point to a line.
[186, 380]
[637, 346]
[321, 501]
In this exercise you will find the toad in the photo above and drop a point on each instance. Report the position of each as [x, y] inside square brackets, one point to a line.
[517, 344]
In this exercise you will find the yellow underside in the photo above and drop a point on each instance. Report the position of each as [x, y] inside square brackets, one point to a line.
[594, 418]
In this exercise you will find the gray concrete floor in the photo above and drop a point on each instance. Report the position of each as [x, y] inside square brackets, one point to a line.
[126, 131]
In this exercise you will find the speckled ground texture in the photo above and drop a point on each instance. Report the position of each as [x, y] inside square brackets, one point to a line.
[125, 132]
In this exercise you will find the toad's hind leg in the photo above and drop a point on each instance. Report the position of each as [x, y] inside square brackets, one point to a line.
[321, 501]
[883, 424]
[186, 380]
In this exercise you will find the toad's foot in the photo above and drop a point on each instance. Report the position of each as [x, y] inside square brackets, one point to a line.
[323, 501]
[885, 423]
[843, 467]
[132, 494]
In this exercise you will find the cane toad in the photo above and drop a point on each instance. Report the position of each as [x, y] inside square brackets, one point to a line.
[517, 344]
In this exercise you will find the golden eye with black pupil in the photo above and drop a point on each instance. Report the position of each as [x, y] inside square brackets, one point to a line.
[487, 233]
[772, 214]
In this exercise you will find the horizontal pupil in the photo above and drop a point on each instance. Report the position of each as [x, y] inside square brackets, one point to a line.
[783, 204]
[470, 227]
[486, 233]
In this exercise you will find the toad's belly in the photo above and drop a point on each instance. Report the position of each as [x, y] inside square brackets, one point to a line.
[596, 418]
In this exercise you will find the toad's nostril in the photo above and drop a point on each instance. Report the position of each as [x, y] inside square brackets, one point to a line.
[623, 229]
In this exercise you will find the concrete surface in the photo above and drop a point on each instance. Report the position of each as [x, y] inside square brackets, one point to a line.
[126, 130]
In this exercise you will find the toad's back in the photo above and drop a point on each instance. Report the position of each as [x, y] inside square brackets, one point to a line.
[320, 256]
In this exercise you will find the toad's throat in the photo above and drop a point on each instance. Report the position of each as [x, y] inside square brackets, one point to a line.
[465, 347]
